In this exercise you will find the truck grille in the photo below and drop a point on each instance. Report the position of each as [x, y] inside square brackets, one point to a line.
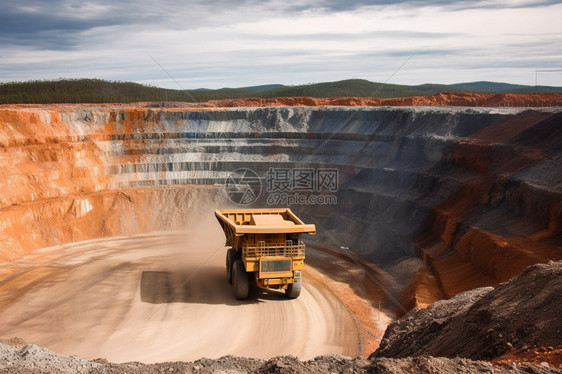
[275, 266]
[270, 250]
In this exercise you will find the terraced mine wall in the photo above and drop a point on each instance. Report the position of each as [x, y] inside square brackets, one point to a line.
[447, 199]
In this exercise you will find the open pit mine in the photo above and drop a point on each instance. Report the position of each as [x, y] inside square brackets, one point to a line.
[110, 248]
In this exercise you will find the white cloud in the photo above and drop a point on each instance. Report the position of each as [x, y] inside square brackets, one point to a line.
[265, 42]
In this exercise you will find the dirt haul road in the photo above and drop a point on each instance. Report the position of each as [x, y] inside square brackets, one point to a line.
[157, 297]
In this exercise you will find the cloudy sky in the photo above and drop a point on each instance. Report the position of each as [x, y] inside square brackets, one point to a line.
[220, 43]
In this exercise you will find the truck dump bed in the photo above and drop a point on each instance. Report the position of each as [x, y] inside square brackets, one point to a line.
[261, 221]
[237, 224]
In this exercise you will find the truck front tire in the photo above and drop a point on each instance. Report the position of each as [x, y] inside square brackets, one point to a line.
[240, 280]
[230, 258]
[294, 289]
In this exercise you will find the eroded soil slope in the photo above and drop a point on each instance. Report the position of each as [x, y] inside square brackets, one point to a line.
[522, 315]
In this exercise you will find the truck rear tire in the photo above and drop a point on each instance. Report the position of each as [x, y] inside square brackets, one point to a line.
[294, 289]
[230, 258]
[240, 280]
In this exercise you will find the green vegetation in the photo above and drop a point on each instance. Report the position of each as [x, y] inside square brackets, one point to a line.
[101, 91]
[83, 91]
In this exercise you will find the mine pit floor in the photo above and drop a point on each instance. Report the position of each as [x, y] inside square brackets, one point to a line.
[164, 296]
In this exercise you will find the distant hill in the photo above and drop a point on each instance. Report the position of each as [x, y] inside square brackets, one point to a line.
[265, 87]
[101, 91]
[484, 86]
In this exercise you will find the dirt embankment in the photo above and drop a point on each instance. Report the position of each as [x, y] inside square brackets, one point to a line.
[442, 99]
[518, 320]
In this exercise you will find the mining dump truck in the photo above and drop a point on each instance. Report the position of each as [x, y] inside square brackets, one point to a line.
[265, 248]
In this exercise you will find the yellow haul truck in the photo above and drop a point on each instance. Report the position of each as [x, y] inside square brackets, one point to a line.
[264, 247]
